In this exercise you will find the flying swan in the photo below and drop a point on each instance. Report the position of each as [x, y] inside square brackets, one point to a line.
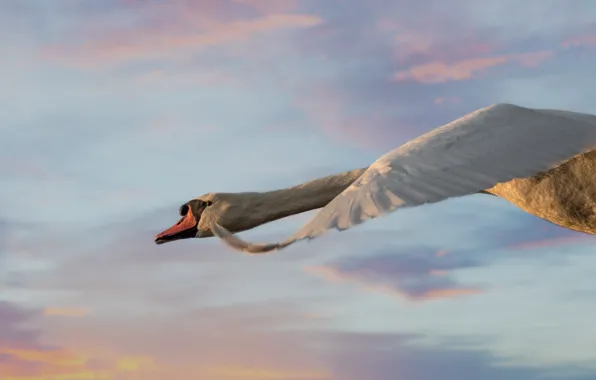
[541, 160]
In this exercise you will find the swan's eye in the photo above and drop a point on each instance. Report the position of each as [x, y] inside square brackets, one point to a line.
[208, 203]
[183, 210]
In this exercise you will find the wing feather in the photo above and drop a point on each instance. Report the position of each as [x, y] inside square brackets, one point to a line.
[473, 153]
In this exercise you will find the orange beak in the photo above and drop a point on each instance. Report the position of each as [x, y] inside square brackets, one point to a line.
[185, 228]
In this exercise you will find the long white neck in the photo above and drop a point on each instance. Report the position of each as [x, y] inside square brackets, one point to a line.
[254, 209]
[309, 195]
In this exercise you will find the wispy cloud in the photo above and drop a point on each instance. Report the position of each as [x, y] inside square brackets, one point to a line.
[248, 373]
[440, 72]
[59, 358]
[149, 43]
[553, 239]
[136, 363]
[579, 41]
[411, 276]
[75, 312]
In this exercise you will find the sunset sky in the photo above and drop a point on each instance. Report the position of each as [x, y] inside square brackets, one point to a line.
[115, 112]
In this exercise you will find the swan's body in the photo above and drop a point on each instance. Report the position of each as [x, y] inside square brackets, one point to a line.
[564, 195]
[543, 161]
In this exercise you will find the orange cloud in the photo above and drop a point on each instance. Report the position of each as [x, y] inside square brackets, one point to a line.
[148, 44]
[36, 364]
[440, 72]
[136, 363]
[587, 40]
[448, 293]
[245, 373]
[64, 376]
[61, 358]
[65, 312]
[66, 365]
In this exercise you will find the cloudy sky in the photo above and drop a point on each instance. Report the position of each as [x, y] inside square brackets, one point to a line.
[115, 112]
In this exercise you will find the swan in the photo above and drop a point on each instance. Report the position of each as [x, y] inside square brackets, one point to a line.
[541, 160]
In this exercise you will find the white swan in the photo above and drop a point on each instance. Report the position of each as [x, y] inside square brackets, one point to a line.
[541, 160]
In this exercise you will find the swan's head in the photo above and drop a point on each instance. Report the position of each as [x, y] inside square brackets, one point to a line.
[228, 210]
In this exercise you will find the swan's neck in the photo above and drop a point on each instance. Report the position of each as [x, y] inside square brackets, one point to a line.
[272, 205]
[244, 211]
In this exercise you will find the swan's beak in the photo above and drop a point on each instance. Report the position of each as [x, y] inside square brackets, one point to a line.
[184, 229]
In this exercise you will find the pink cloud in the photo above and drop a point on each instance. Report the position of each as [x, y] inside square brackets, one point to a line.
[586, 40]
[414, 43]
[372, 284]
[150, 43]
[440, 72]
[552, 242]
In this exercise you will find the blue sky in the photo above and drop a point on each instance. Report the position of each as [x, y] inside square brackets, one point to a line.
[116, 112]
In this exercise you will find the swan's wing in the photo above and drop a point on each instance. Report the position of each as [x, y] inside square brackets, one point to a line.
[486, 147]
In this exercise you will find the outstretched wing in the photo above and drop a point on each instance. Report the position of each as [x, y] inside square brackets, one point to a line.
[486, 147]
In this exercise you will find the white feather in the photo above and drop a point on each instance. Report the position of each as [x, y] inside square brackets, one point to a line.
[492, 145]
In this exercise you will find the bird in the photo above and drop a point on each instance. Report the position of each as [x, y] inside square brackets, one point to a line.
[540, 160]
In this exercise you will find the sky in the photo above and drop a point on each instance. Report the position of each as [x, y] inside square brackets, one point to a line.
[116, 112]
